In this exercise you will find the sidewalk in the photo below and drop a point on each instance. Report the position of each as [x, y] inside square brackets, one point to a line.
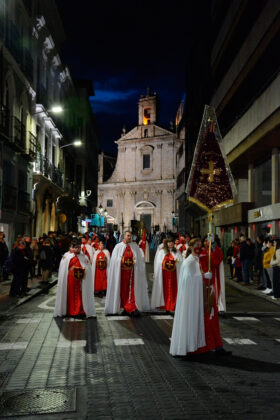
[8, 303]
[250, 289]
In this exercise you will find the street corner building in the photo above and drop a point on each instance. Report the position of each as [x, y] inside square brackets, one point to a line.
[45, 186]
[143, 182]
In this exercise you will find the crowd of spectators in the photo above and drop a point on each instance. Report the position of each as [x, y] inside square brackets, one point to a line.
[257, 263]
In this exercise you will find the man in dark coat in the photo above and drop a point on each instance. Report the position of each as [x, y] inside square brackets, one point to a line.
[20, 270]
[245, 256]
[4, 253]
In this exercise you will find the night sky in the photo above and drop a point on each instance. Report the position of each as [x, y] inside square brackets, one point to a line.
[123, 47]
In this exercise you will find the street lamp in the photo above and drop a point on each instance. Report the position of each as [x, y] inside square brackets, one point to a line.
[55, 109]
[100, 208]
[75, 143]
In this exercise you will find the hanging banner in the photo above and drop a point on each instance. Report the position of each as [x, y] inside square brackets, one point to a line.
[210, 184]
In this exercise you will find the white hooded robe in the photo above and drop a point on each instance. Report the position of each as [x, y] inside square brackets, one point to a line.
[113, 300]
[87, 286]
[188, 332]
[107, 253]
[157, 299]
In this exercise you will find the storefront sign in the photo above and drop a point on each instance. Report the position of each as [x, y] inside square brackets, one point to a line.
[257, 214]
[263, 214]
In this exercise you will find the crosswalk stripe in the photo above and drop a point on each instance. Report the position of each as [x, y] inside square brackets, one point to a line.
[117, 318]
[128, 341]
[239, 341]
[246, 318]
[28, 321]
[74, 343]
[161, 317]
[20, 345]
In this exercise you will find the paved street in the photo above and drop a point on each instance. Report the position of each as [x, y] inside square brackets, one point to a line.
[119, 368]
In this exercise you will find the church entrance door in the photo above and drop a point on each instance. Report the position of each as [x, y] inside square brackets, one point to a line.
[147, 218]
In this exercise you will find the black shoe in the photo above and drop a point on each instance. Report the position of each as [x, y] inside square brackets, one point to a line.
[261, 287]
[124, 313]
[135, 314]
[222, 353]
[270, 294]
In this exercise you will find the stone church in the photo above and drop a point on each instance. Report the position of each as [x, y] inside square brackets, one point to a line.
[142, 185]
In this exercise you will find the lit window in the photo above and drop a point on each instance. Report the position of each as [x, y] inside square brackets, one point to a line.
[146, 161]
[147, 116]
[109, 203]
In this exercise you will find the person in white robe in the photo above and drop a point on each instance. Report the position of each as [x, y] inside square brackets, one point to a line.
[159, 292]
[86, 284]
[87, 249]
[114, 281]
[100, 266]
[188, 333]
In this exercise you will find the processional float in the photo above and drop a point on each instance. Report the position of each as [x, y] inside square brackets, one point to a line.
[210, 184]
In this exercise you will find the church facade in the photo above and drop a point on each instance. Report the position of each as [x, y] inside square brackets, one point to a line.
[142, 186]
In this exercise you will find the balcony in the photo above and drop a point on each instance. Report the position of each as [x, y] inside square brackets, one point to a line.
[46, 168]
[23, 202]
[9, 198]
[4, 121]
[19, 134]
[32, 145]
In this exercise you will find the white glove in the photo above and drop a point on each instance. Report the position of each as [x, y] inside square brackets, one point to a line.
[208, 275]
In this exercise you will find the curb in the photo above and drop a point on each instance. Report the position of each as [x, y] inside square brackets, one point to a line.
[32, 293]
[251, 291]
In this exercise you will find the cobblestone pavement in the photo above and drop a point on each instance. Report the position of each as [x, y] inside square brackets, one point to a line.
[120, 368]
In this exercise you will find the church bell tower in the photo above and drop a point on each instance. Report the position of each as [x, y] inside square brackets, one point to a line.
[148, 109]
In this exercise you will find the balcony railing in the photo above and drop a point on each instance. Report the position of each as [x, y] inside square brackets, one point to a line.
[23, 202]
[9, 198]
[32, 145]
[19, 134]
[46, 168]
[4, 120]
